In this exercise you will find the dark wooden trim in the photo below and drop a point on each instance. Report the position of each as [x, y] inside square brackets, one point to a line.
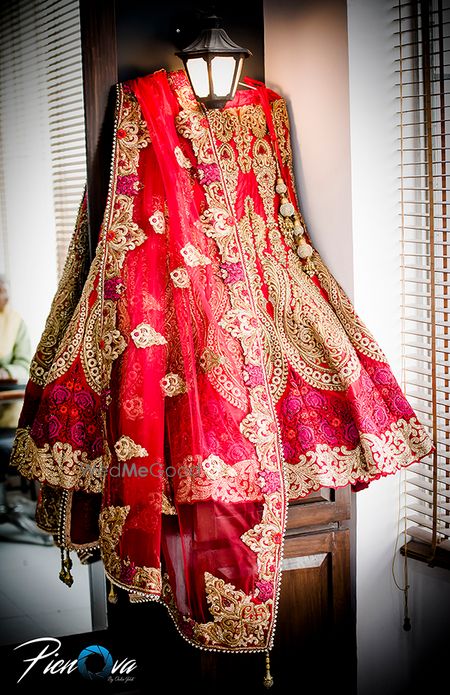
[320, 513]
[424, 553]
[99, 53]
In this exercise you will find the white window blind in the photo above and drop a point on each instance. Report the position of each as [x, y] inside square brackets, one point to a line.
[423, 67]
[41, 112]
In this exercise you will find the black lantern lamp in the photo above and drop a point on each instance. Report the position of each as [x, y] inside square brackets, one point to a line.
[214, 63]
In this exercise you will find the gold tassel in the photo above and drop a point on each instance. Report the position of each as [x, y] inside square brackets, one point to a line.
[66, 566]
[112, 596]
[268, 680]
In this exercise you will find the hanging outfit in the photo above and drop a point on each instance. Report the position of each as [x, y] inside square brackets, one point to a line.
[205, 370]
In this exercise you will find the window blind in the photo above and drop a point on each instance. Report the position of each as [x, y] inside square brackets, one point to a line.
[41, 99]
[423, 68]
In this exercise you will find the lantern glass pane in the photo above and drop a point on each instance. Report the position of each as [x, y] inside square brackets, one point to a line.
[237, 76]
[198, 73]
[222, 68]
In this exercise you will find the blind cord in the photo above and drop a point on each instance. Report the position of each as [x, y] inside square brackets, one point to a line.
[405, 588]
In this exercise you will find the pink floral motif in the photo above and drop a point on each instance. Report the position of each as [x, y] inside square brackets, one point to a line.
[84, 400]
[265, 590]
[232, 272]
[329, 433]
[314, 399]
[78, 434]
[351, 433]
[402, 405]
[113, 288]
[54, 426]
[255, 376]
[128, 185]
[305, 436]
[271, 482]
[208, 173]
[127, 573]
[59, 394]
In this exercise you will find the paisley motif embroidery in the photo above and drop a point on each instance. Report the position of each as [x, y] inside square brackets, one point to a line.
[193, 256]
[158, 222]
[172, 385]
[209, 360]
[238, 620]
[127, 449]
[180, 277]
[145, 335]
[181, 158]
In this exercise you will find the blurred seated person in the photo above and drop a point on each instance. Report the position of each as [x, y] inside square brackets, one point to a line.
[15, 354]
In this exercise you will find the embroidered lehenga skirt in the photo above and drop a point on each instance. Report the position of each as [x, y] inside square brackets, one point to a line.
[205, 369]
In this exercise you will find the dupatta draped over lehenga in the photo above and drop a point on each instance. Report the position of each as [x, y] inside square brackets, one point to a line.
[200, 373]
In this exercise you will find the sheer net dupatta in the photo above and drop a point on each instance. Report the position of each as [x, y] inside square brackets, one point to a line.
[222, 526]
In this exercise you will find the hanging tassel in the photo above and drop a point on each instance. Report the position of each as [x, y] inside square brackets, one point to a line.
[268, 680]
[406, 618]
[112, 596]
[66, 566]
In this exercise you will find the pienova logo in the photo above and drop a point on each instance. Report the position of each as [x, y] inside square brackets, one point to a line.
[94, 663]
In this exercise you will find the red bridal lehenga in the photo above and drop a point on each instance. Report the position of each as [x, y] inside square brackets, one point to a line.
[206, 369]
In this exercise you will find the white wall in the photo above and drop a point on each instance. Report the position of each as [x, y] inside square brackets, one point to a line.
[306, 62]
[334, 66]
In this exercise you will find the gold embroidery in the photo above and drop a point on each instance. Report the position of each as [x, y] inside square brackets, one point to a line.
[230, 170]
[181, 158]
[132, 134]
[339, 466]
[93, 322]
[167, 506]
[111, 522]
[264, 538]
[145, 579]
[214, 467]
[158, 222]
[102, 344]
[66, 299]
[193, 256]
[209, 360]
[180, 277]
[58, 465]
[359, 335]
[241, 321]
[145, 335]
[48, 509]
[238, 621]
[172, 385]
[123, 234]
[281, 124]
[127, 449]
[214, 479]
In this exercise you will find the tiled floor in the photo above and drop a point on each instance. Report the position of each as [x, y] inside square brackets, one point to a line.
[33, 600]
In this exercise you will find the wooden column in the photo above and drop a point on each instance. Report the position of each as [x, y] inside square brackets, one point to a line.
[99, 51]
